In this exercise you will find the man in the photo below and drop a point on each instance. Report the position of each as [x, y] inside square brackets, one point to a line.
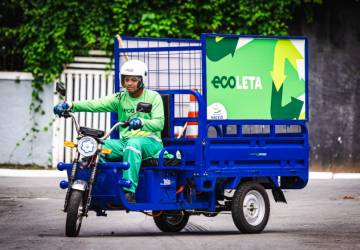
[142, 138]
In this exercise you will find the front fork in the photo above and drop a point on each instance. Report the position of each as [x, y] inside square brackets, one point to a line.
[71, 181]
[89, 186]
[91, 182]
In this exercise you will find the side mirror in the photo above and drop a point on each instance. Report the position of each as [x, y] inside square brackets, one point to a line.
[60, 88]
[144, 107]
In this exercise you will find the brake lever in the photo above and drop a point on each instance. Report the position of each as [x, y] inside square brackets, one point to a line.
[66, 114]
[125, 124]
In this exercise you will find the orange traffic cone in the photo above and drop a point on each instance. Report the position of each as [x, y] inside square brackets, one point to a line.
[192, 127]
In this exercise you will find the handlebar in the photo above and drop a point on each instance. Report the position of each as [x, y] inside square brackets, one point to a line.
[69, 114]
[113, 128]
[77, 126]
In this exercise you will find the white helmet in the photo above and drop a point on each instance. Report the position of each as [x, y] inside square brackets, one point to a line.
[134, 68]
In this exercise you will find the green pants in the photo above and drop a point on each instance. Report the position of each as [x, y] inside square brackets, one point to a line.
[133, 151]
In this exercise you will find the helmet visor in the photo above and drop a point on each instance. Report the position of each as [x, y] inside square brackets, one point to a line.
[129, 78]
[132, 79]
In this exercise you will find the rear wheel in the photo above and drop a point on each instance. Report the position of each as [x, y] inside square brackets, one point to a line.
[74, 214]
[250, 208]
[171, 221]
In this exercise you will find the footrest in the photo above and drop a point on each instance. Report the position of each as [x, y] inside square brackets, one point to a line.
[118, 165]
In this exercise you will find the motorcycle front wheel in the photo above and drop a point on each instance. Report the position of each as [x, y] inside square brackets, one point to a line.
[74, 213]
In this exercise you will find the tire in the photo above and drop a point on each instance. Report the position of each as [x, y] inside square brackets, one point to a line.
[172, 221]
[210, 214]
[250, 208]
[74, 216]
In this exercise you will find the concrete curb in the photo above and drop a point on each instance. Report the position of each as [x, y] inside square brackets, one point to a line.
[31, 173]
[330, 175]
[56, 173]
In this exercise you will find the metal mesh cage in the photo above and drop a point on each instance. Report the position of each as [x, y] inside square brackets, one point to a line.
[174, 64]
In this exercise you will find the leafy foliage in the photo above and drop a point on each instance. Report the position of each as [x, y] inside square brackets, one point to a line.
[49, 33]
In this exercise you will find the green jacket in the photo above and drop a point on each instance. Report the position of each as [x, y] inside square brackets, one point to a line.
[125, 105]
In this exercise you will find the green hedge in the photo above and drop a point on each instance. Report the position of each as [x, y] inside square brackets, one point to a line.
[49, 33]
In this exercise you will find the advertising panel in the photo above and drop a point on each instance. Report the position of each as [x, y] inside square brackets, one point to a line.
[255, 78]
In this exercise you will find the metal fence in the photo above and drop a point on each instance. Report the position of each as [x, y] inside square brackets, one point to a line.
[81, 84]
[169, 69]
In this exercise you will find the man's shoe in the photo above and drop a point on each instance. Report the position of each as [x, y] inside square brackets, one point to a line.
[130, 197]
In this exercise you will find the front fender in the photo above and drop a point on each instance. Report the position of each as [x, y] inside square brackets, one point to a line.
[79, 185]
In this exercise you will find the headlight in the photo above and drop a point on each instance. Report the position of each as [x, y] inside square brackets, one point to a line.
[87, 146]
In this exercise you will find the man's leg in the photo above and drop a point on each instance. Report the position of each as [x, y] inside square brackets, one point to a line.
[117, 146]
[136, 149]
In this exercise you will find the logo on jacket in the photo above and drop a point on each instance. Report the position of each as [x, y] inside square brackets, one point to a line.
[129, 111]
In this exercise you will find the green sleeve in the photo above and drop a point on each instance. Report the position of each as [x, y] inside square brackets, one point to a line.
[106, 104]
[156, 123]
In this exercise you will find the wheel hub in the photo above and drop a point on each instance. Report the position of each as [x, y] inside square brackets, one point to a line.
[254, 207]
[174, 219]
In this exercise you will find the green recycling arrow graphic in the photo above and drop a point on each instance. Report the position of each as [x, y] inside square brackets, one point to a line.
[219, 47]
[284, 50]
[289, 111]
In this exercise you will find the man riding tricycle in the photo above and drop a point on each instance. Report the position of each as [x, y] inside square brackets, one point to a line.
[170, 177]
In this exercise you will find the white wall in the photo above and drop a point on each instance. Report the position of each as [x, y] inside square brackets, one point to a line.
[15, 121]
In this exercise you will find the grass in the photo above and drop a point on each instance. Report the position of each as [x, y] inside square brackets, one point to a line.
[25, 166]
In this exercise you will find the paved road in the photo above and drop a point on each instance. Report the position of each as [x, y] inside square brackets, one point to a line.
[324, 215]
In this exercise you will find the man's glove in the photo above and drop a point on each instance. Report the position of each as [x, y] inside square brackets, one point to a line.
[60, 108]
[135, 123]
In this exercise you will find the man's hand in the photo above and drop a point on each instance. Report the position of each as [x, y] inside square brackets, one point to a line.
[135, 123]
[60, 108]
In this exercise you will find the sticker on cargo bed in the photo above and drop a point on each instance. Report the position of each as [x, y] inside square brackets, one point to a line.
[165, 182]
[216, 111]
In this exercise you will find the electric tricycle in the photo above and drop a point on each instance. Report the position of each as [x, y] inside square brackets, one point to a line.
[251, 136]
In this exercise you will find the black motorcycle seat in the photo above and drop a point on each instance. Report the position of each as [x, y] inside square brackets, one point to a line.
[155, 162]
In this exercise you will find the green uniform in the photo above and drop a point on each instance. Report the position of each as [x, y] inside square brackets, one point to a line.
[134, 145]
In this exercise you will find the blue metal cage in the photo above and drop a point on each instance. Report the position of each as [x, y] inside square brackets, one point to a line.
[233, 149]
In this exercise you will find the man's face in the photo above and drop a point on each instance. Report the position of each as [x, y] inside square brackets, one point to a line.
[131, 83]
